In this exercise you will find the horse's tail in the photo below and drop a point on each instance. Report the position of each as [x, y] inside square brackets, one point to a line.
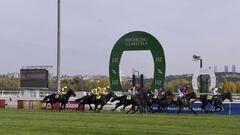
[45, 98]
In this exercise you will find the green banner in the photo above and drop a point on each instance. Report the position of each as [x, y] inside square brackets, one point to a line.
[137, 41]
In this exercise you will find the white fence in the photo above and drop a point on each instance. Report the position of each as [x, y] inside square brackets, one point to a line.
[24, 94]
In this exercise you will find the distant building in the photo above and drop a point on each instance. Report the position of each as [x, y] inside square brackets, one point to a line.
[225, 68]
[215, 68]
[234, 68]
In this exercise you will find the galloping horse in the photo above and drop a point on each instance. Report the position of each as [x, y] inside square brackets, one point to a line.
[88, 99]
[121, 100]
[143, 98]
[215, 101]
[54, 98]
[102, 100]
[164, 100]
[186, 101]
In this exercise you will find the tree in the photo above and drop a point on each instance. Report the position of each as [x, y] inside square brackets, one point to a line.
[237, 87]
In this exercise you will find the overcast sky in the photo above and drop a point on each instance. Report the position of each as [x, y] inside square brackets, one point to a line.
[90, 28]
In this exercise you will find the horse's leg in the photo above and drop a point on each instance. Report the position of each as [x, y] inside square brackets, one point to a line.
[124, 105]
[192, 110]
[145, 107]
[159, 107]
[203, 106]
[135, 110]
[101, 107]
[149, 108]
[90, 107]
[116, 106]
[220, 108]
[79, 105]
[213, 108]
[64, 106]
[133, 106]
[52, 106]
[61, 107]
[95, 109]
[46, 106]
[180, 108]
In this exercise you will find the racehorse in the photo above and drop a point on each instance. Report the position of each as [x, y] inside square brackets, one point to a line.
[186, 101]
[102, 100]
[142, 99]
[164, 100]
[88, 99]
[54, 98]
[121, 100]
[215, 101]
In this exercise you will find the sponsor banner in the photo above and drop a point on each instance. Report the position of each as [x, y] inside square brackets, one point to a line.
[2, 103]
[71, 105]
[227, 109]
[37, 104]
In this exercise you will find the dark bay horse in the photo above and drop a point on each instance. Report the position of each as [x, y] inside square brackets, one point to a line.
[102, 100]
[142, 99]
[122, 100]
[88, 99]
[216, 101]
[54, 98]
[186, 101]
[164, 100]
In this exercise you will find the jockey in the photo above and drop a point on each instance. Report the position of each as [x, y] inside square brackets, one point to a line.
[182, 91]
[132, 90]
[96, 90]
[63, 90]
[159, 92]
[215, 91]
[105, 90]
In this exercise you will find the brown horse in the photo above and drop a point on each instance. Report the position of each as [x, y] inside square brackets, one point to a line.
[163, 101]
[142, 99]
[186, 101]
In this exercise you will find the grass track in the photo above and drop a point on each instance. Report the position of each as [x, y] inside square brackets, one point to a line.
[37, 122]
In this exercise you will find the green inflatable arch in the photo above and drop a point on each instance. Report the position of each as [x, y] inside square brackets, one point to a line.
[137, 41]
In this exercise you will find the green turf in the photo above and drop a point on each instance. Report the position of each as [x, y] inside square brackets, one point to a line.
[32, 122]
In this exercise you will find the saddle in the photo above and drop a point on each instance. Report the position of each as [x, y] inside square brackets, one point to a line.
[129, 97]
[98, 97]
[57, 96]
[209, 97]
[155, 96]
[175, 98]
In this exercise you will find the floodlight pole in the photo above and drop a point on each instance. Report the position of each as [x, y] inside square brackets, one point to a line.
[58, 46]
[201, 79]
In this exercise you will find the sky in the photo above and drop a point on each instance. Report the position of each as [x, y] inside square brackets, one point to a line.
[90, 29]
